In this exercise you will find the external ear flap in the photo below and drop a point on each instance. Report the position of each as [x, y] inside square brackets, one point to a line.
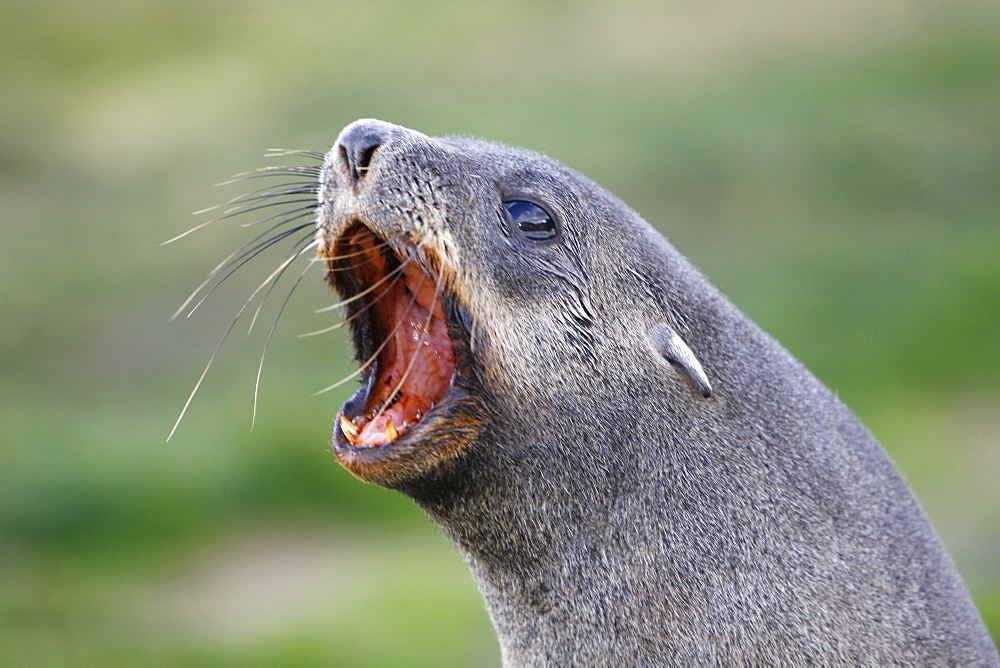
[669, 344]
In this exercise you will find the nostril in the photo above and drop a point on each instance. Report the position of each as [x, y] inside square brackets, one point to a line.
[357, 147]
[365, 157]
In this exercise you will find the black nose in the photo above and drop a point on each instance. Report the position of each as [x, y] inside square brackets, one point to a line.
[358, 144]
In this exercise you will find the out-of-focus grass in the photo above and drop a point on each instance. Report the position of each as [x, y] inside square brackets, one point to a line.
[833, 167]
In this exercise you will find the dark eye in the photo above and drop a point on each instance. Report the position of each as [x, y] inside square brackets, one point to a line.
[531, 220]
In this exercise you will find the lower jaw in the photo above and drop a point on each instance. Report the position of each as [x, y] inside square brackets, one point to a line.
[418, 455]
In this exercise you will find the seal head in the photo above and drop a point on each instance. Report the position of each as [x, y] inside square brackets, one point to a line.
[463, 269]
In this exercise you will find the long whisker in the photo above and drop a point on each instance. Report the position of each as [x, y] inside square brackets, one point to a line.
[246, 257]
[203, 374]
[281, 223]
[232, 213]
[249, 246]
[346, 321]
[310, 203]
[374, 355]
[233, 258]
[346, 256]
[389, 276]
[274, 170]
[274, 325]
[282, 189]
[281, 152]
[288, 177]
[334, 327]
[225, 336]
[298, 248]
[243, 203]
[302, 187]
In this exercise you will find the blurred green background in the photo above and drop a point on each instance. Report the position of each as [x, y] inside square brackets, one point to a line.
[833, 166]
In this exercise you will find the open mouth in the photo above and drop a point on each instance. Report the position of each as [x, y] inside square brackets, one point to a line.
[395, 305]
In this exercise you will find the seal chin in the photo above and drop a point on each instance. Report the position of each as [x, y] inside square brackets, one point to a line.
[412, 410]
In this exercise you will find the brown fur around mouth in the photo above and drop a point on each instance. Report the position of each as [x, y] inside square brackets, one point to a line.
[439, 438]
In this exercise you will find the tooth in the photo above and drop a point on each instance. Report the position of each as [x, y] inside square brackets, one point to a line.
[349, 428]
[390, 432]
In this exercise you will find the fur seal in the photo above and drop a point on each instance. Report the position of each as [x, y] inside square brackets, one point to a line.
[636, 474]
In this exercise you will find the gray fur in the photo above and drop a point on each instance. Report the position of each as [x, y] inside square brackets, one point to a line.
[610, 515]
